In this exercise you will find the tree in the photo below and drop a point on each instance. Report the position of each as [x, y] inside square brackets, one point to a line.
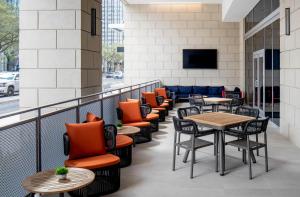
[111, 57]
[9, 26]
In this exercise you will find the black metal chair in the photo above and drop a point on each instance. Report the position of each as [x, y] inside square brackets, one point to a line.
[152, 118]
[236, 132]
[198, 101]
[254, 127]
[188, 111]
[190, 128]
[233, 105]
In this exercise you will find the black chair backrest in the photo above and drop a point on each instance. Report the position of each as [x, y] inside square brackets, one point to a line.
[196, 99]
[180, 126]
[247, 111]
[160, 100]
[236, 102]
[145, 110]
[187, 111]
[256, 126]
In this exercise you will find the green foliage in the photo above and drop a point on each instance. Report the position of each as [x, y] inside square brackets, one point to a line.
[9, 31]
[120, 124]
[61, 171]
[111, 57]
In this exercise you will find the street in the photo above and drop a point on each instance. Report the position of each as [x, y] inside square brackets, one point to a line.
[9, 104]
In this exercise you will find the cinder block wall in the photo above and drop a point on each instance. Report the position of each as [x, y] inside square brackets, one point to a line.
[156, 34]
[290, 72]
[59, 59]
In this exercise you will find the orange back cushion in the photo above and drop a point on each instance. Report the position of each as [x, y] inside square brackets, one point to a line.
[133, 100]
[161, 92]
[150, 98]
[131, 112]
[90, 117]
[86, 139]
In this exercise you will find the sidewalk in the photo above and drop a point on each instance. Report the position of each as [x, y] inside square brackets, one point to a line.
[9, 99]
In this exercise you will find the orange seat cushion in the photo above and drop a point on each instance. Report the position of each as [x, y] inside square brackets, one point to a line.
[150, 98]
[151, 117]
[90, 117]
[159, 108]
[131, 112]
[161, 92]
[86, 139]
[123, 141]
[138, 124]
[100, 161]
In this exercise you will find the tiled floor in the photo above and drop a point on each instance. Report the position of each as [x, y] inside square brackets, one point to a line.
[150, 174]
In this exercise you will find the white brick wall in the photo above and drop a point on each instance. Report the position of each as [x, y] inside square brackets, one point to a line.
[59, 59]
[156, 34]
[290, 73]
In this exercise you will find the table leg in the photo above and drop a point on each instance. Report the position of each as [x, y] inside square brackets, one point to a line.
[217, 152]
[61, 195]
[214, 109]
[222, 152]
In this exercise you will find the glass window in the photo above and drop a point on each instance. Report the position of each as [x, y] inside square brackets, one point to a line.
[259, 12]
[249, 71]
[275, 4]
[258, 41]
[249, 21]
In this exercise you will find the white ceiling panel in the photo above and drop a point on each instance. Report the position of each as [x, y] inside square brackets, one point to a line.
[171, 1]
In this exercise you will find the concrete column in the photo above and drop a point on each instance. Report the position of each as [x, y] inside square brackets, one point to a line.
[59, 59]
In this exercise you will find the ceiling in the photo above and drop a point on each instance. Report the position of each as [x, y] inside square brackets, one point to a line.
[232, 10]
[171, 1]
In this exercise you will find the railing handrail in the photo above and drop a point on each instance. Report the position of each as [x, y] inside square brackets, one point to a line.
[77, 99]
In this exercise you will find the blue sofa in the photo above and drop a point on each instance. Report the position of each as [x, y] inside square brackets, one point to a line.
[182, 93]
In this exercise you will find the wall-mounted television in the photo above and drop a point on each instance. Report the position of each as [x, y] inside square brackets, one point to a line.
[200, 58]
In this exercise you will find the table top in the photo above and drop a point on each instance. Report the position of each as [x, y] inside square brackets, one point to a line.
[154, 111]
[219, 120]
[128, 130]
[47, 182]
[214, 100]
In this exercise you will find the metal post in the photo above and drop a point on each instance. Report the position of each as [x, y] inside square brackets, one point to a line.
[78, 112]
[38, 142]
[101, 103]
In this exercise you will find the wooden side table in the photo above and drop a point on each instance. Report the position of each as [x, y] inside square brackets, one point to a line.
[46, 182]
[129, 131]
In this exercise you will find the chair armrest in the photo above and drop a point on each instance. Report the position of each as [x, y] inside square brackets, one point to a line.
[119, 114]
[66, 144]
[145, 110]
[110, 133]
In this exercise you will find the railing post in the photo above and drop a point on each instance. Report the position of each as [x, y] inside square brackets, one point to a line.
[101, 103]
[38, 142]
[131, 92]
[120, 96]
[78, 111]
[139, 92]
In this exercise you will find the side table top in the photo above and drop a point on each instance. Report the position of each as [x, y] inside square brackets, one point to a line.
[46, 182]
[128, 130]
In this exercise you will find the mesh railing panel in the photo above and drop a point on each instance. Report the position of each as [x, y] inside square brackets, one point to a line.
[94, 108]
[109, 109]
[125, 95]
[17, 158]
[135, 94]
[52, 130]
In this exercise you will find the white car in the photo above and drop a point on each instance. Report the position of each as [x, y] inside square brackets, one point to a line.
[9, 83]
[118, 75]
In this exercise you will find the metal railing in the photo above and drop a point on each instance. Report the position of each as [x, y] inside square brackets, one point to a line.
[34, 142]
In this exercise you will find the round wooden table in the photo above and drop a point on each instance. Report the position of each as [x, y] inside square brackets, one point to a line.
[46, 182]
[154, 111]
[215, 102]
[129, 131]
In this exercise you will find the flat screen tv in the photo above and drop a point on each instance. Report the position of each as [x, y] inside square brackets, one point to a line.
[200, 58]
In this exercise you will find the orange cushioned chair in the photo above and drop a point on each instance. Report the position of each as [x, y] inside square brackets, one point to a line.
[163, 93]
[150, 99]
[147, 116]
[129, 113]
[87, 145]
[123, 143]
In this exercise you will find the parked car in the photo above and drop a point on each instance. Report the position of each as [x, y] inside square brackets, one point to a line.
[109, 75]
[9, 83]
[118, 75]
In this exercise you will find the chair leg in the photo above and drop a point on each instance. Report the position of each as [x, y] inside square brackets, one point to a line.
[186, 155]
[178, 148]
[215, 144]
[244, 156]
[193, 157]
[249, 158]
[253, 157]
[266, 153]
[257, 150]
[174, 151]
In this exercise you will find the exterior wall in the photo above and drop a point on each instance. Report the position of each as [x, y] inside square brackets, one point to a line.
[290, 72]
[59, 59]
[156, 34]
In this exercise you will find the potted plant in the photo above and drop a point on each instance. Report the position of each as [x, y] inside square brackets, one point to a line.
[119, 125]
[61, 172]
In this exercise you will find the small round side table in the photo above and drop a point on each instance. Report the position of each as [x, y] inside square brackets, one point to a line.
[129, 131]
[46, 182]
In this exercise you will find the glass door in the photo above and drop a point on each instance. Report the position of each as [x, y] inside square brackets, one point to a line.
[259, 80]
